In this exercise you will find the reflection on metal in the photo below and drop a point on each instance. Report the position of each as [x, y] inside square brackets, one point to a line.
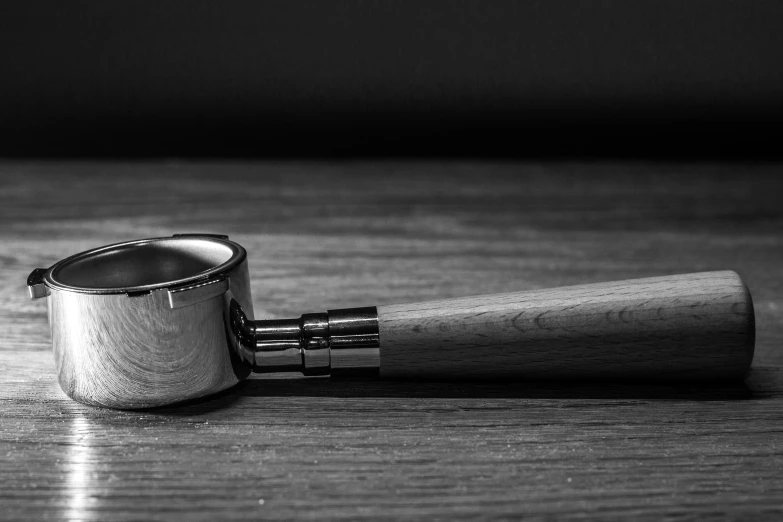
[188, 295]
[35, 284]
[316, 344]
[79, 470]
[354, 340]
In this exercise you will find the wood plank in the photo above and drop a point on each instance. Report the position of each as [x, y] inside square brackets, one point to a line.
[330, 235]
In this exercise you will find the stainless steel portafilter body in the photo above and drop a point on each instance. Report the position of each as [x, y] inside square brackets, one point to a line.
[157, 321]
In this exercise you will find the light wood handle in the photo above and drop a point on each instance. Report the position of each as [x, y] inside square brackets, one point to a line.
[692, 326]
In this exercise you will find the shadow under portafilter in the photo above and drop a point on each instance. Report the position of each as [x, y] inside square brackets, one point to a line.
[375, 388]
[270, 387]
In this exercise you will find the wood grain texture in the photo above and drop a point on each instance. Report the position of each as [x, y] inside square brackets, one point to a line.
[335, 235]
[689, 326]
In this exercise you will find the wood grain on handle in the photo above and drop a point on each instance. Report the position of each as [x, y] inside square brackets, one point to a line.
[692, 326]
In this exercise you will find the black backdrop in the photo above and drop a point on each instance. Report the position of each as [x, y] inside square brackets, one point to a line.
[299, 77]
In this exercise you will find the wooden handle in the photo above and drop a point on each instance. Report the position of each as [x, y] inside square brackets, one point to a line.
[692, 326]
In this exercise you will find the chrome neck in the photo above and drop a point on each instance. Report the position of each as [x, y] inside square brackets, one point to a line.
[336, 342]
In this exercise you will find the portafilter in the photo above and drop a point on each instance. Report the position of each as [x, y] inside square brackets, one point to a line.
[157, 321]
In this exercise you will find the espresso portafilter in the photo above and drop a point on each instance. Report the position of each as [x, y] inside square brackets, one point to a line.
[158, 321]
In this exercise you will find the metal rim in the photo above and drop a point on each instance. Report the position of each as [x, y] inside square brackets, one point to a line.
[238, 255]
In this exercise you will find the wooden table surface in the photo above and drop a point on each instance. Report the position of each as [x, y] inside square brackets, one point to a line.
[328, 235]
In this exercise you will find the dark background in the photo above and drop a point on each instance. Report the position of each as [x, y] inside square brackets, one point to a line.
[301, 78]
